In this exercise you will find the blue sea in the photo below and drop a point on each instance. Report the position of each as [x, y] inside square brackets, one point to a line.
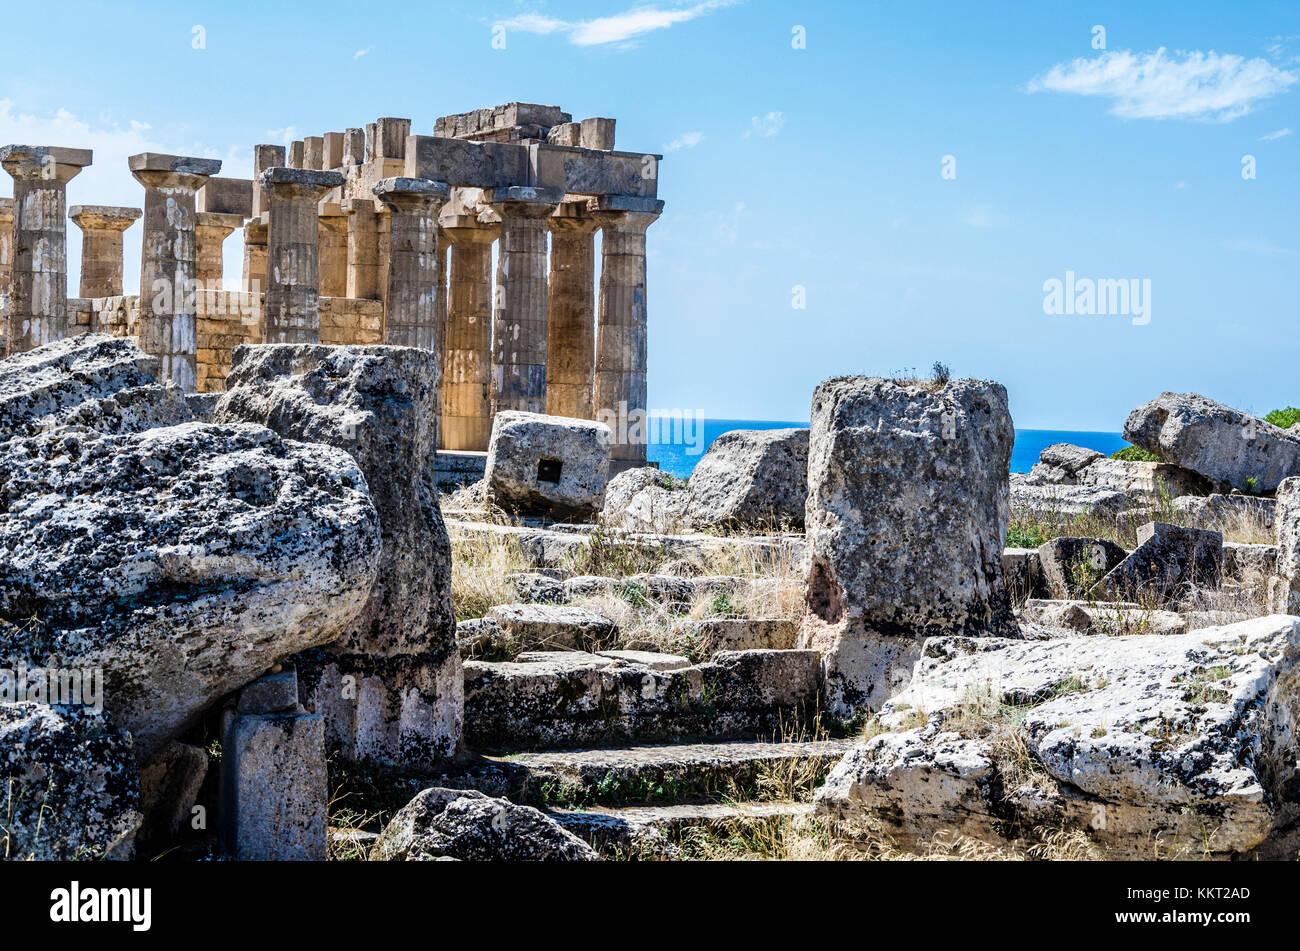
[678, 458]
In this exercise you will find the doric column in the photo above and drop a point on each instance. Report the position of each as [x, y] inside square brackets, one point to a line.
[256, 234]
[38, 289]
[6, 245]
[292, 309]
[168, 270]
[363, 249]
[467, 350]
[621, 322]
[101, 247]
[212, 230]
[571, 330]
[519, 311]
[333, 224]
[411, 311]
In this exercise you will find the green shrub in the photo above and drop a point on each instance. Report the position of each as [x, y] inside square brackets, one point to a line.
[1135, 454]
[1284, 418]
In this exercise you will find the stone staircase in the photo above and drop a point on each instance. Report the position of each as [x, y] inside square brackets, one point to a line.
[638, 801]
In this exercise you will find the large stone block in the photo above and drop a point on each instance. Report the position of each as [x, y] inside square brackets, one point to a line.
[1168, 562]
[751, 478]
[1221, 443]
[1185, 740]
[1071, 565]
[549, 465]
[389, 686]
[70, 786]
[1284, 587]
[906, 521]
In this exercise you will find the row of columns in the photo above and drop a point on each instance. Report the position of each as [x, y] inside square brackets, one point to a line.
[540, 344]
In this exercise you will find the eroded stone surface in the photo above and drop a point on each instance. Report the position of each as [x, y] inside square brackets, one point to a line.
[548, 464]
[751, 478]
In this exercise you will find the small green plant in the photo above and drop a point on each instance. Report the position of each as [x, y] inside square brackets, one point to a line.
[1252, 485]
[940, 373]
[1135, 454]
[1026, 535]
[722, 604]
[1284, 418]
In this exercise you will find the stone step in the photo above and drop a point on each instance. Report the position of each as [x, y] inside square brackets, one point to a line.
[653, 831]
[653, 775]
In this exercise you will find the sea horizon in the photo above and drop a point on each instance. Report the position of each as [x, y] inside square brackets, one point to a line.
[678, 456]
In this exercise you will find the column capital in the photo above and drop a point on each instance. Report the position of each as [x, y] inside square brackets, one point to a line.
[305, 183]
[44, 162]
[411, 194]
[523, 201]
[103, 217]
[357, 206]
[625, 212]
[218, 221]
[467, 230]
[572, 217]
[154, 170]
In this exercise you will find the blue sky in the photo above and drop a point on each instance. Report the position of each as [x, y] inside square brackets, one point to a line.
[815, 168]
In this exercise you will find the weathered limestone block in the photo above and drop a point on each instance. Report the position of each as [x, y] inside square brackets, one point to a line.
[1023, 571]
[274, 801]
[711, 635]
[1061, 463]
[906, 522]
[532, 588]
[751, 478]
[548, 627]
[1217, 441]
[1246, 511]
[1072, 565]
[232, 196]
[1186, 739]
[169, 787]
[1168, 562]
[468, 826]
[547, 464]
[1284, 586]
[644, 499]
[557, 705]
[1250, 565]
[1104, 618]
[1067, 500]
[1067, 464]
[70, 784]
[389, 687]
[184, 561]
[104, 383]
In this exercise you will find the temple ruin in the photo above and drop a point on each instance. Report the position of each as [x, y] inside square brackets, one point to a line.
[369, 236]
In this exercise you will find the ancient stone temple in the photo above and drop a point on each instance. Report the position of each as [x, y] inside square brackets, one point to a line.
[372, 235]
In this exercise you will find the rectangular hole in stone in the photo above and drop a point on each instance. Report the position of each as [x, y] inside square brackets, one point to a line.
[548, 470]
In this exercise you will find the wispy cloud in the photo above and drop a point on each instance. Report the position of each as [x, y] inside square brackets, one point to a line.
[687, 140]
[981, 216]
[1196, 85]
[765, 126]
[285, 135]
[360, 53]
[1273, 136]
[610, 30]
[1259, 246]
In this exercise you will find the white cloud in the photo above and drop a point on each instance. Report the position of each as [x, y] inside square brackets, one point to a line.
[981, 216]
[360, 53]
[1195, 85]
[282, 136]
[1273, 136]
[687, 140]
[1259, 246]
[766, 126]
[619, 28]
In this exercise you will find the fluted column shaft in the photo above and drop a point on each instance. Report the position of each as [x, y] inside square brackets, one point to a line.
[168, 266]
[467, 352]
[571, 331]
[101, 247]
[292, 310]
[211, 231]
[411, 308]
[519, 313]
[38, 284]
[621, 321]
